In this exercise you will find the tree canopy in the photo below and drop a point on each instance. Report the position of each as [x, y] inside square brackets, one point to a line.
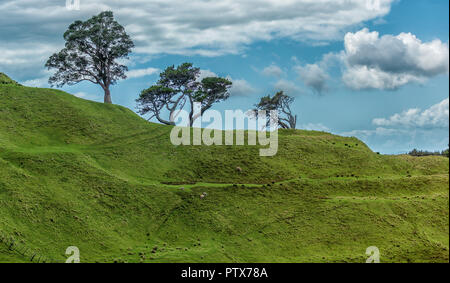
[281, 103]
[180, 87]
[91, 52]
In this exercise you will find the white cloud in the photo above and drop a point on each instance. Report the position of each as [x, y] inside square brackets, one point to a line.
[313, 76]
[138, 73]
[389, 62]
[206, 74]
[363, 77]
[40, 82]
[24, 59]
[437, 116]
[410, 129]
[41, 79]
[272, 71]
[287, 87]
[241, 87]
[81, 94]
[88, 96]
[211, 28]
[197, 27]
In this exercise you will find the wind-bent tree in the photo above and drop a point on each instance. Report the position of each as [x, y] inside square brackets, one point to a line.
[178, 87]
[183, 81]
[91, 52]
[158, 98]
[281, 103]
[212, 90]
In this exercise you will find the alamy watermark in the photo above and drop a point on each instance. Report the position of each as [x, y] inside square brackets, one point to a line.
[73, 5]
[256, 129]
[374, 255]
[74, 254]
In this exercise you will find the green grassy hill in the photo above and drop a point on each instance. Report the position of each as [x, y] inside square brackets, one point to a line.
[4, 79]
[79, 173]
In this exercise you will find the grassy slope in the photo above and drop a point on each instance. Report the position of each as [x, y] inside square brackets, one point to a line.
[4, 79]
[75, 172]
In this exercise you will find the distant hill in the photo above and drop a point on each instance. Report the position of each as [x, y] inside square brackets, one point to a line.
[79, 173]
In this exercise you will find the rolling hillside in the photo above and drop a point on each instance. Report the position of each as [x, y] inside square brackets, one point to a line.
[99, 177]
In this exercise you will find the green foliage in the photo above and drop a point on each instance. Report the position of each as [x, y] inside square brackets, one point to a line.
[178, 87]
[154, 100]
[182, 78]
[99, 177]
[279, 102]
[212, 90]
[91, 52]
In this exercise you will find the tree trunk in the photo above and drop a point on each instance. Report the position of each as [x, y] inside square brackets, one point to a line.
[293, 121]
[191, 113]
[108, 96]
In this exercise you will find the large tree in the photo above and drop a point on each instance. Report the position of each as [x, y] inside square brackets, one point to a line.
[179, 87]
[91, 52]
[279, 102]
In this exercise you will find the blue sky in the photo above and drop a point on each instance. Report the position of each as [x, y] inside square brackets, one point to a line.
[375, 69]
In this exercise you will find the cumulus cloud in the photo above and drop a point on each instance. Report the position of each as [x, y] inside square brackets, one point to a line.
[287, 87]
[138, 73]
[410, 129]
[206, 74]
[389, 62]
[437, 116]
[363, 77]
[313, 76]
[272, 71]
[241, 87]
[200, 27]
